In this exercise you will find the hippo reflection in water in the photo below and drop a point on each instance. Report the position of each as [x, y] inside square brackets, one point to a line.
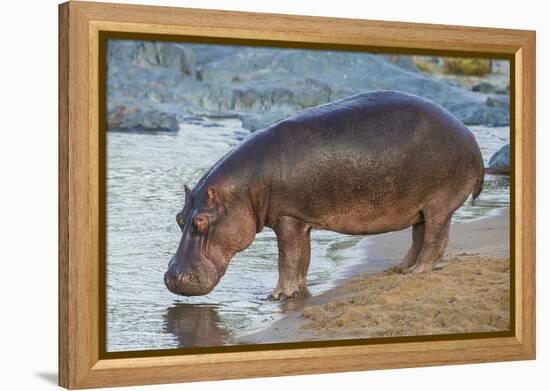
[372, 163]
[195, 325]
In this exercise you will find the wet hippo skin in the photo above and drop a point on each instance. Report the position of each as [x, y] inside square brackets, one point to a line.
[371, 163]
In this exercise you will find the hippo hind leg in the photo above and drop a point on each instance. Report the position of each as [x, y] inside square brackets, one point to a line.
[293, 241]
[414, 250]
[436, 238]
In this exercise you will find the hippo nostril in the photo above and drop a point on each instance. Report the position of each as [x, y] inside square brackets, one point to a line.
[169, 280]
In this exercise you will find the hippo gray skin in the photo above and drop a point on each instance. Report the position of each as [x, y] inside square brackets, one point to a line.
[371, 163]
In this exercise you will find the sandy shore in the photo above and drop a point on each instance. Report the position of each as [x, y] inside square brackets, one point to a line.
[468, 292]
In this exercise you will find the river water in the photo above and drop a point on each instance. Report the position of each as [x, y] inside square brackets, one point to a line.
[145, 177]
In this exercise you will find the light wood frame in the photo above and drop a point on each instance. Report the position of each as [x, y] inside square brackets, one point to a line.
[80, 24]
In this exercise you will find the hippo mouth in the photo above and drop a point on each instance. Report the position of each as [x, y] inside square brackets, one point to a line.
[193, 282]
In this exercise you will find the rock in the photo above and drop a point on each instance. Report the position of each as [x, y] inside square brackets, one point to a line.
[503, 91]
[169, 55]
[118, 114]
[123, 120]
[258, 121]
[500, 162]
[401, 61]
[193, 119]
[472, 113]
[149, 53]
[484, 87]
[261, 85]
[289, 80]
[501, 66]
[498, 101]
[179, 57]
[206, 53]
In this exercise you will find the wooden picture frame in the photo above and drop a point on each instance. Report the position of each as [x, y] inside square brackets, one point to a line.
[82, 160]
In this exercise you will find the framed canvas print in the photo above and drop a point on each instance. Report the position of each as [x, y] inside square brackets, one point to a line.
[248, 195]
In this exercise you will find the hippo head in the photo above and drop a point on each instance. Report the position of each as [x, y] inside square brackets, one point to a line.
[216, 223]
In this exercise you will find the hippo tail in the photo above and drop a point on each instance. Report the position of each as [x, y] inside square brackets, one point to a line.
[478, 187]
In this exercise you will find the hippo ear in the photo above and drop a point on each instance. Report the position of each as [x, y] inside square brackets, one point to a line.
[187, 190]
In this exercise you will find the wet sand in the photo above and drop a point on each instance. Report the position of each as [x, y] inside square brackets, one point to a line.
[468, 292]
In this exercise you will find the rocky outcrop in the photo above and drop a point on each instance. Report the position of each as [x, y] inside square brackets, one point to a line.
[499, 101]
[254, 122]
[500, 162]
[262, 85]
[488, 88]
[484, 87]
[178, 57]
[122, 119]
[402, 61]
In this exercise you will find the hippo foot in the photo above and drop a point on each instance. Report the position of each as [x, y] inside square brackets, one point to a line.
[397, 269]
[282, 296]
[418, 269]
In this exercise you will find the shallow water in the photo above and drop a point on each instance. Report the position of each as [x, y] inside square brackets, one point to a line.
[145, 177]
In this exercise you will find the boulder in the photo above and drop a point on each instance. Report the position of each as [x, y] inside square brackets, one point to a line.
[116, 115]
[472, 113]
[503, 91]
[498, 101]
[402, 61]
[258, 121]
[122, 119]
[179, 57]
[484, 87]
[169, 55]
[261, 85]
[288, 80]
[500, 162]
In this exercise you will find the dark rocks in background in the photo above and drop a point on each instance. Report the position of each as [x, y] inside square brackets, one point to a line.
[484, 87]
[476, 114]
[179, 57]
[494, 113]
[122, 119]
[206, 53]
[116, 115]
[404, 62]
[499, 102]
[500, 162]
[503, 91]
[170, 55]
[193, 119]
[262, 85]
[258, 121]
[289, 80]
[488, 88]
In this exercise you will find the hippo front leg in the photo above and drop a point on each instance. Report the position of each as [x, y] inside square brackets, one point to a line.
[293, 240]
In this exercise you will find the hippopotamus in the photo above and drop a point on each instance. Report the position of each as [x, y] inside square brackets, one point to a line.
[372, 163]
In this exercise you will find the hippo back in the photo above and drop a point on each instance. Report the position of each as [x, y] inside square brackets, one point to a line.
[369, 153]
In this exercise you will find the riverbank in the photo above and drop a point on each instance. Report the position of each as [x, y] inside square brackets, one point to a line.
[469, 291]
